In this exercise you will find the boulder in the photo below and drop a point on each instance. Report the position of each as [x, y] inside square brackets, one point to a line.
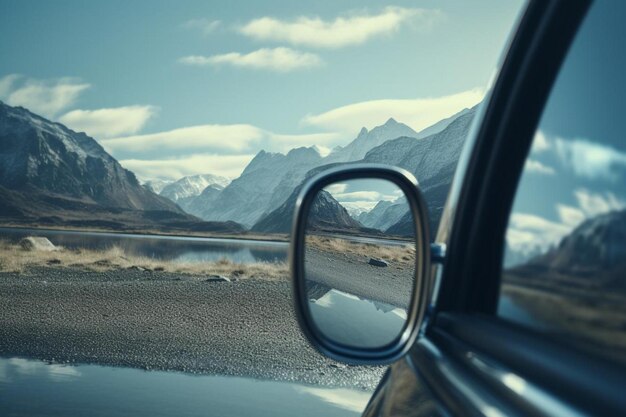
[378, 262]
[217, 278]
[32, 243]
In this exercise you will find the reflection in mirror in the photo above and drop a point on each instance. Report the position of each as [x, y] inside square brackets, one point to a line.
[360, 262]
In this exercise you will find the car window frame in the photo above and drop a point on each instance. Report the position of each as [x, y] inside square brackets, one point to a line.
[468, 357]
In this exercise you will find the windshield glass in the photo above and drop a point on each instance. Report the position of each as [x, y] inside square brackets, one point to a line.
[150, 153]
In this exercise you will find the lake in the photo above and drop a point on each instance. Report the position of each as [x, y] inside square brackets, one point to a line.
[169, 248]
[31, 387]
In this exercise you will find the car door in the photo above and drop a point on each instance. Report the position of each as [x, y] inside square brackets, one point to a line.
[529, 303]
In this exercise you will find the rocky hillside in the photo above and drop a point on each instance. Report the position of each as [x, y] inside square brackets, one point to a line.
[432, 160]
[367, 140]
[185, 190]
[50, 174]
[37, 155]
[326, 214]
[270, 178]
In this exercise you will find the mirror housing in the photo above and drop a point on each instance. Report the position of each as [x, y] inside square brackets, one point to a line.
[351, 354]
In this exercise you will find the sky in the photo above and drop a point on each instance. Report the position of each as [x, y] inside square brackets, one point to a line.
[181, 88]
[577, 166]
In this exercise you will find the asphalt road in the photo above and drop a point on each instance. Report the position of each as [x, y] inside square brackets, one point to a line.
[156, 320]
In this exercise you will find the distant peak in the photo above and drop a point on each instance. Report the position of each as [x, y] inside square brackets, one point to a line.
[363, 131]
[391, 122]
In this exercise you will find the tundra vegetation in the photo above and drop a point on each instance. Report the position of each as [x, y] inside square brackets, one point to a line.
[15, 258]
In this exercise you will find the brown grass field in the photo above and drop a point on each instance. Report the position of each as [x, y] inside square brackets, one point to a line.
[13, 258]
[400, 255]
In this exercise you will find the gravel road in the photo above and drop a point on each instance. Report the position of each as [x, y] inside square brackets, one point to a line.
[156, 320]
[352, 274]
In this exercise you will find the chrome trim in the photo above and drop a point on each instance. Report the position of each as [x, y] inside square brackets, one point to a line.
[415, 314]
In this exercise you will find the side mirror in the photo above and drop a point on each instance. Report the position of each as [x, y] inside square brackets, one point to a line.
[360, 259]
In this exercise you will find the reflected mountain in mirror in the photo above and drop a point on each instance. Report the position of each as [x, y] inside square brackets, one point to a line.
[359, 276]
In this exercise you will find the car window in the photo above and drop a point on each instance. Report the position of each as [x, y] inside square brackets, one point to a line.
[564, 269]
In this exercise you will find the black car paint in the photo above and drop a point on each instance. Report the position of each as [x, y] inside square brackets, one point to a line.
[468, 362]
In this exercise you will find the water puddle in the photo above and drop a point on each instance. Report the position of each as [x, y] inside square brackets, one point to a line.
[31, 387]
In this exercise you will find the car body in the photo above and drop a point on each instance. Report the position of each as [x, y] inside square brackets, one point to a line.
[467, 360]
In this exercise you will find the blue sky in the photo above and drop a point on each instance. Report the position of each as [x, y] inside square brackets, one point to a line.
[173, 89]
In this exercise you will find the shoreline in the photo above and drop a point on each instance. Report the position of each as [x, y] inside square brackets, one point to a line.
[152, 233]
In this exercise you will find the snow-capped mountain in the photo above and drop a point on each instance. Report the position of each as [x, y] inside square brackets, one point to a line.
[51, 175]
[156, 186]
[270, 178]
[192, 186]
[432, 160]
[367, 140]
[264, 184]
[384, 214]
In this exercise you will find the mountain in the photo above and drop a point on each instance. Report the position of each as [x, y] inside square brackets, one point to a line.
[595, 245]
[432, 160]
[441, 125]
[385, 214]
[39, 155]
[185, 190]
[270, 178]
[201, 205]
[192, 186]
[250, 196]
[592, 256]
[367, 140]
[156, 186]
[326, 214]
[50, 174]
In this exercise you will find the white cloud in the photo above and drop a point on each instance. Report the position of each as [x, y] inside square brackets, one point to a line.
[419, 113]
[535, 166]
[593, 204]
[229, 166]
[271, 59]
[362, 196]
[354, 29]
[570, 216]
[528, 232]
[238, 137]
[540, 142]
[235, 138]
[589, 159]
[336, 188]
[285, 143]
[205, 26]
[358, 207]
[104, 123]
[44, 97]
[6, 84]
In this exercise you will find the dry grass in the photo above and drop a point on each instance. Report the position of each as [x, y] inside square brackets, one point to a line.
[15, 259]
[403, 255]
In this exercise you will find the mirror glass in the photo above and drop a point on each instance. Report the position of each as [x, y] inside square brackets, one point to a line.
[359, 262]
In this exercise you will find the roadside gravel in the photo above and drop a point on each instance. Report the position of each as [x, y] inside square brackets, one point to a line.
[164, 321]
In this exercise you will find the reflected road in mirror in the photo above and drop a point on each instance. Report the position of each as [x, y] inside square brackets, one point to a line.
[359, 267]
